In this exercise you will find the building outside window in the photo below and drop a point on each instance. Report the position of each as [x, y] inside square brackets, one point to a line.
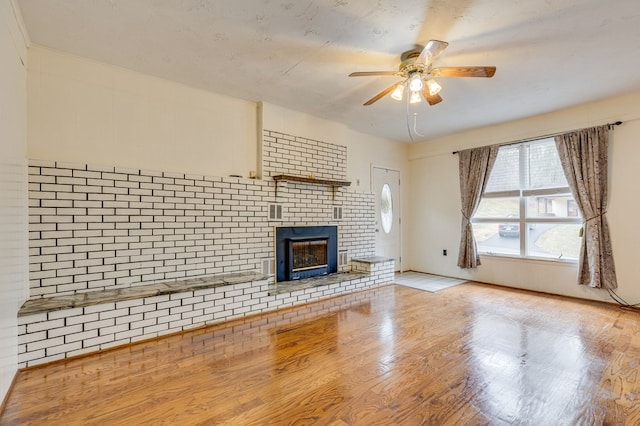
[572, 208]
[527, 209]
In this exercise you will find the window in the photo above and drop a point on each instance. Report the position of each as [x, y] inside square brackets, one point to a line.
[527, 209]
[386, 208]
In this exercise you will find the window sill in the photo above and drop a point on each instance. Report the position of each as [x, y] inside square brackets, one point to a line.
[542, 260]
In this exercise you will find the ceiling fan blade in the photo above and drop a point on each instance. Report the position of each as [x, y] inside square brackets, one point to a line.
[382, 94]
[431, 99]
[431, 51]
[372, 73]
[464, 72]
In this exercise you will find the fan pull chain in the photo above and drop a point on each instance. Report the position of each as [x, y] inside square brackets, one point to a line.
[415, 124]
[408, 126]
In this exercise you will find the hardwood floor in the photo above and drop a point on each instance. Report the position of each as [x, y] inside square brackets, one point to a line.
[471, 354]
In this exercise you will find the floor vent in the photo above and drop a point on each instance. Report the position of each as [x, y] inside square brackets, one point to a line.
[275, 211]
[342, 258]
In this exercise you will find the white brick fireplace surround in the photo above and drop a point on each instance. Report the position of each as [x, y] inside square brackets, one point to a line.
[109, 232]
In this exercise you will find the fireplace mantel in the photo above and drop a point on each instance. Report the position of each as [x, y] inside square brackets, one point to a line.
[312, 180]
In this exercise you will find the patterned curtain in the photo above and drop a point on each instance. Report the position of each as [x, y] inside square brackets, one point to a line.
[583, 155]
[475, 166]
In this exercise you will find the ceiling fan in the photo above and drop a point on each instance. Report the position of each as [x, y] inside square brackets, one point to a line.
[417, 72]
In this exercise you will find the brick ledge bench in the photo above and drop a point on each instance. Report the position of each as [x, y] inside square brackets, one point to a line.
[54, 328]
[96, 297]
[371, 262]
[51, 329]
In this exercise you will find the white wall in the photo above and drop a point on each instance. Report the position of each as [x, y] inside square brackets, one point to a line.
[13, 189]
[83, 111]
[435, 211]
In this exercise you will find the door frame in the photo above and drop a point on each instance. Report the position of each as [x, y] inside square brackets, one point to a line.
[399, 202]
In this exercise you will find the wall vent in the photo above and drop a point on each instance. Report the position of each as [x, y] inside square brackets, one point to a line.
[268, 266]
[342, 258]
[275, 211]
[337, 212]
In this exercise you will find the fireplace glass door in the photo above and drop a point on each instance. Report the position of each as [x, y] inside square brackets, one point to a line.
[307, 257]
[309, 254]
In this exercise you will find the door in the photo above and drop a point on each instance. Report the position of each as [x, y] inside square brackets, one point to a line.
[386, 189]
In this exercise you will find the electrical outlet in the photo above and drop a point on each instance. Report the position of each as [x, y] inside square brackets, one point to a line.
[444, 252]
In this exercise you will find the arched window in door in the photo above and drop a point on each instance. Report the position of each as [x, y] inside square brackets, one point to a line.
[386, 208]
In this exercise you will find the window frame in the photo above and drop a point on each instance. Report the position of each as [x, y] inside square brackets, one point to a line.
[523, 220]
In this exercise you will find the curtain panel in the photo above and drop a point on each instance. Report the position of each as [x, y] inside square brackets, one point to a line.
[475, 167]
[584, 156]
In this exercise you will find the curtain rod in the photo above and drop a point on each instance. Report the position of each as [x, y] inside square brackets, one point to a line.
[617, 123]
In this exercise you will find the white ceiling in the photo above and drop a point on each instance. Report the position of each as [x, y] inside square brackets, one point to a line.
[549, 54]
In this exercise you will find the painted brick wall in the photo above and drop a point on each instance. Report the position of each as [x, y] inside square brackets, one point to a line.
[95, 227]
[293, 155]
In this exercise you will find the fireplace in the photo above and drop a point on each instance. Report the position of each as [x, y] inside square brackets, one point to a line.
[305, 251]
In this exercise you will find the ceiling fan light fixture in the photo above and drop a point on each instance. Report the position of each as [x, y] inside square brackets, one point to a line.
[415, 98]
[434, 87]
[418, 73]
[415, 83]
[398, 92]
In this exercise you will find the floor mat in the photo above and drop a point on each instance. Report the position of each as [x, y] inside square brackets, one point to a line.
[427, 282]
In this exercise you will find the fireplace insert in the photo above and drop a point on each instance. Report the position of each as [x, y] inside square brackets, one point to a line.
[305, 251]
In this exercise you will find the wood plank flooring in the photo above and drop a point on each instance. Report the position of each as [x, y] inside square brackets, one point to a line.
[472, 354]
